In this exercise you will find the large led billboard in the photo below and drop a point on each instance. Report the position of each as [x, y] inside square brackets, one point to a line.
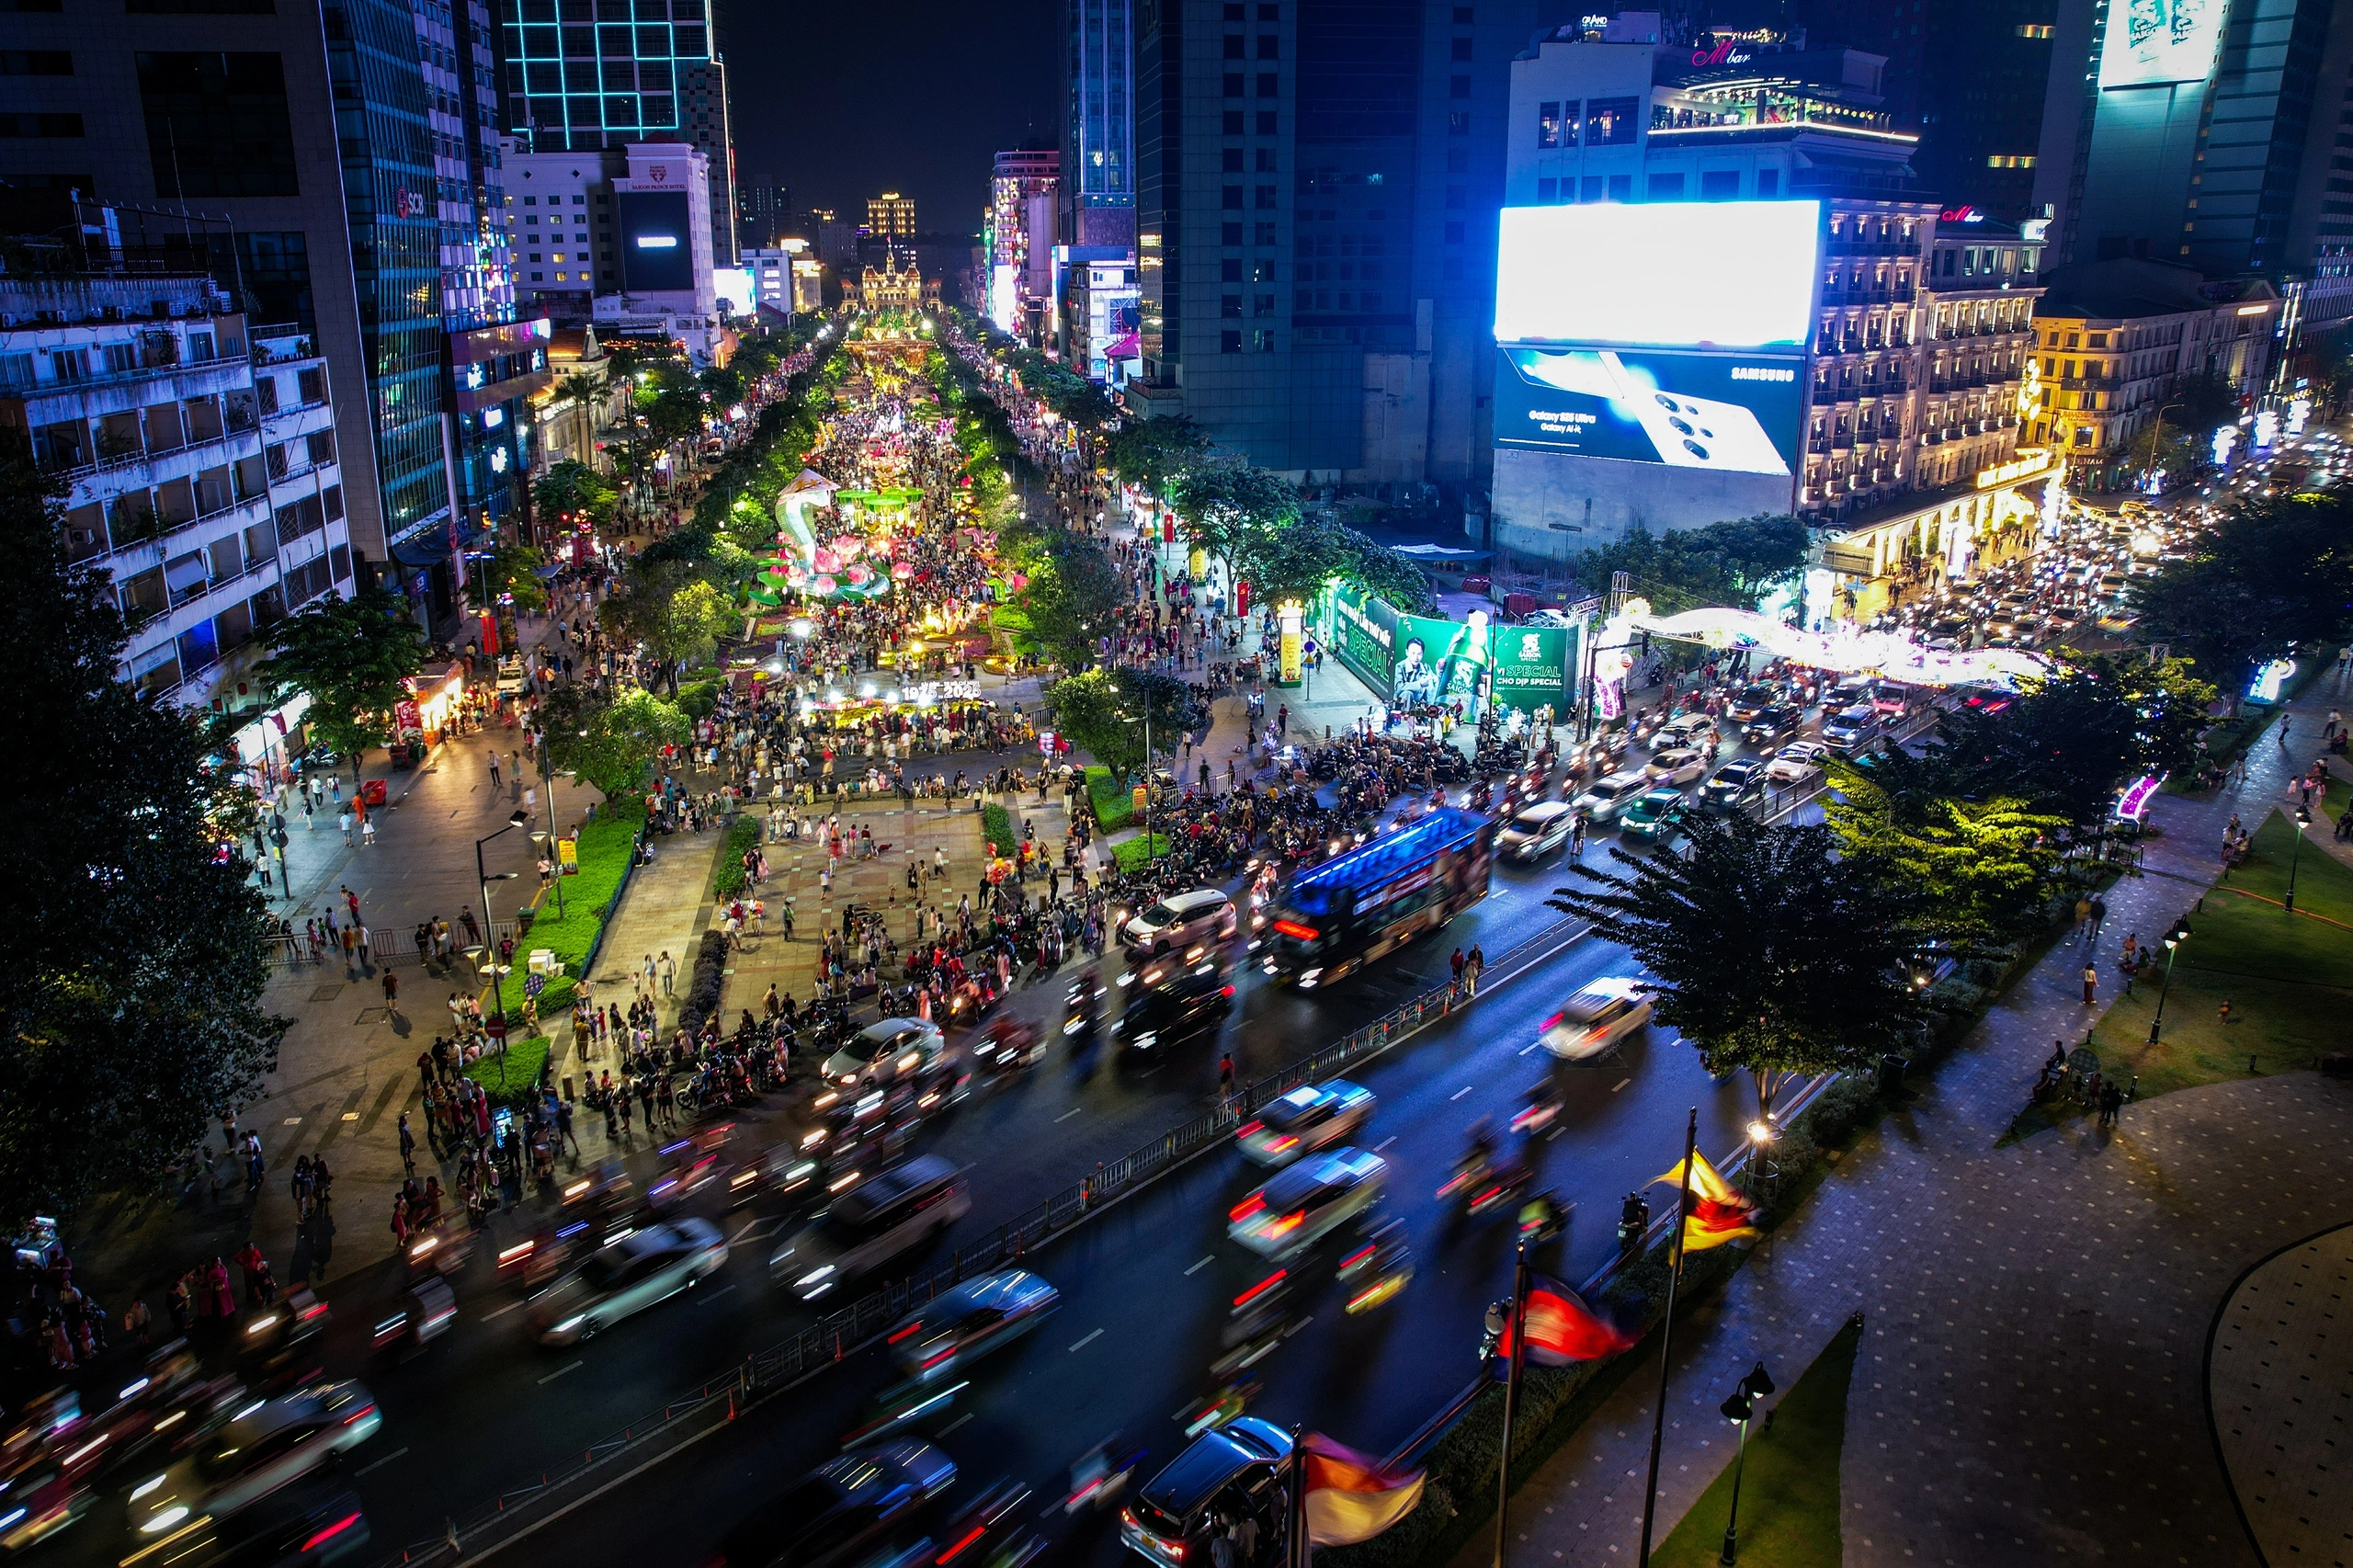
[1415, 661]
[1721, 412]
[1675, 274]
[2153, 42]
[657, 242]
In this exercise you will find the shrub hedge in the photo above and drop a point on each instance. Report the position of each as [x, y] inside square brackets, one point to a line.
[605, 848]
[996, 826]
[703, 987]
[742, 835]
[515, 1083]
[1114, 804]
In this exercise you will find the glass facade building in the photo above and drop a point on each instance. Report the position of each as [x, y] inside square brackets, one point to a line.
[1099, 127]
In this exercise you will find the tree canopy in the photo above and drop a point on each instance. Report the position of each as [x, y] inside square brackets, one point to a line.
[572, 488]
[130, 983]
[2273, 574]
[608, 738]
[1983, 864]
[351, 656]
[1728, 564]
[1295, 560]
[1103, 712]
[1072, 598]
[1152, 451]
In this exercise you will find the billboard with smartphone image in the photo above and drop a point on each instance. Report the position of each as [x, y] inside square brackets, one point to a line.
[1720, 413]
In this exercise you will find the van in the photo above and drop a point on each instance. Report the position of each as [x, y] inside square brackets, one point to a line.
[1202, 915]
[1851, 731]
[1236, 1470]
[890, 1214]
[1849, 692]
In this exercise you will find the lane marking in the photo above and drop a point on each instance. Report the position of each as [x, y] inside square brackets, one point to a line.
[561, 1371]
[1458, 1094]
[1085, 1342]
[1554, 1133]
[1619, 1085]
[497, 1313]
[1068, 1114]
[1529, 1046]
[1383, 1147]
[378, 1464]
[953, 1425]
[716, 1294]
[1198, 1267]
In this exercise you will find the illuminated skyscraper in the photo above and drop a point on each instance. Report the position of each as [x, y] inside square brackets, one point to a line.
[889, 216]
[1098, 189]
[1021, 232]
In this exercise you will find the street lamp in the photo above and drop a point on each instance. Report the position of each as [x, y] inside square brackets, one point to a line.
[2174, 939]
[1738, 1409]
[2303, 821]
[483, 878]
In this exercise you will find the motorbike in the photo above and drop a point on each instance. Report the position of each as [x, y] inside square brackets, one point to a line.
[426, 1314]
[1634, 1224]
[1008, 1045]
[1379, 1268]
[1101, 1473]
[1542, 1109]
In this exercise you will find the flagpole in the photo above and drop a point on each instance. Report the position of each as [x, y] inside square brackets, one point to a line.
[1667, 1336]
[1296, 1556]
[1518, 1321]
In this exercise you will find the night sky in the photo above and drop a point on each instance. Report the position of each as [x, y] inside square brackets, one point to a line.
[844, 99]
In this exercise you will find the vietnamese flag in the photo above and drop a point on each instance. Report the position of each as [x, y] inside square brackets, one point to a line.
[1716, 1211]
[1352, 1496]
[1562, 1329]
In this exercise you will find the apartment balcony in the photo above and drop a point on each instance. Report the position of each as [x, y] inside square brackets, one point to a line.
[131, 556]
[121, 392]
[1847, 246]
[141, 470]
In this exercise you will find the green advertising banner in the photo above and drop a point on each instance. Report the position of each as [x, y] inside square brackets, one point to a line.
[1414, 661]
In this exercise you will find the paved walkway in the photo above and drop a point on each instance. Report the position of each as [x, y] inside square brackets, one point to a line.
[2281, 1381]
[2031, 1387]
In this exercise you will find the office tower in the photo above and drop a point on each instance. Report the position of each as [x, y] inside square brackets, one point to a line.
[199, 448]
[1098, 192]
[763, 214]
[366, 207]
[890, 216]
[1317, 191]
[574, 87]
[1020, 227]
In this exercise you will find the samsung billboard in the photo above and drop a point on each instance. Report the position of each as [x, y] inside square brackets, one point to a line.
[2155, 41]
[1716, 413]
[657, 242]
[1683, 273]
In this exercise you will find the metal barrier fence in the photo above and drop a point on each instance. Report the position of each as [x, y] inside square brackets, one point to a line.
[386, 945]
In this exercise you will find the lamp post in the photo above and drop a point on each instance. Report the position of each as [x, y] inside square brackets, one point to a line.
[482, 878]
[2174, 939]
[1738, 1409]
[2303, 821]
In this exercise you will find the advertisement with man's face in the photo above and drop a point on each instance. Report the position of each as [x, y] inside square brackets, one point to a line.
[1733, 413]
[1417, 662]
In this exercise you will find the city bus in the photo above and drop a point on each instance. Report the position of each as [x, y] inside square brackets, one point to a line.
[1356, 908]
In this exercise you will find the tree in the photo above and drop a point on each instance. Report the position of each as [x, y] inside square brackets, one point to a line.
[509, 572]
[608, 739]
[1104, 712]
[351, 656]
[1150, 452]
[1773, 952]
[583, 394]
[1983, 865]
[1729, 564]
[1224, 504]
[571, 488]
[130, 983]
[2274, 572]
[1296, 560]
[1073, 599]
[668, 607]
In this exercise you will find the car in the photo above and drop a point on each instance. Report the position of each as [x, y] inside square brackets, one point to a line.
[1796, 763]
[842, 1512]
[1656, 818]
[317, 1521]
[1849, 691]
[880, 1052]
[1605, 797]
[1769, 724]
[871, 1222]
[1202, 914]
[1892, 699]
[1676, 764]
[1596, 1015]
[1236, 1469]
[1737, 784]
[1312, 1116]
[1696, 731]
[1753, 699]
[1536, 831]
[1851, 731]
[625, 1276]
[269, 1444]
[1177, 1010]
[958, 1327]
[1308, 1201]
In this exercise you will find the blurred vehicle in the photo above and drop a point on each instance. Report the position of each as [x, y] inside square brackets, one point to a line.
[1007, 1045]
[1187, 1009]
[1737, 784]
[1536, 831]
[1753, 700]
[1676, 764]
[1304, 1203]
[267, 1444]
[1596, 1015]
[1312, 1116]
[1656, 819]
[1696, 732]
[1770, 724]
[1893, 699]
[893, 1048]
[842, 1511]
[1605, 797]
[426, 1312]
[1203, 915]
[959, 1326]
[316, 1522]
[1380, 1266]
[1795, 763]
[1850, 731]
[1101, 1473]
[1237, 1469]
[626, 1275]
[871, 1223]
[1361, 905]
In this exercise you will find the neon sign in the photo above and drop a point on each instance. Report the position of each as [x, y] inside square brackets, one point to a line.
[1961, 214]
[1723, 53]
[2134, 806]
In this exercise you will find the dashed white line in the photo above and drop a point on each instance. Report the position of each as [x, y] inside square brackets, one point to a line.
[953, 1425]
[497, 1313]
[1529, 1046]
[716, 1294]
[1458, 1094]
[1068, 1114]
[562, 1371]
[1198, 1267]
[1085, 1342]
[1383, 1147]
[378, 1464]
[1619, 1085]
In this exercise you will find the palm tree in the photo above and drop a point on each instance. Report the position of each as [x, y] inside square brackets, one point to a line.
[583, 393]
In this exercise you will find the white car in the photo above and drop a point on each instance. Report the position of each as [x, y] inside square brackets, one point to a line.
[1307, 1201]
[1677, 765]
[1796, 763]
[1694, 730]
[881, 1052]
[626, 1275]
[269, 1444]
[1537, 830]
[1600, 1013]
[1605, 797]
[1203, 915]
[1312, 1116]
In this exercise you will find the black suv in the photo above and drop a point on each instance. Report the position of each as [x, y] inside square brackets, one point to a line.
[1736, 785]
[1189, 1006]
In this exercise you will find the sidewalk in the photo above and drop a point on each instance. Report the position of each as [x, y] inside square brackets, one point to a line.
[2031, 1386]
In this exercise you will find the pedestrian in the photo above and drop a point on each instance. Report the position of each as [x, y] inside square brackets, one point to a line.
[391, 992]
[2225, 1014]
[2091, 985]
[669, 970]
[1455, 962]
[368, 832]
[494, 781]
[343, 821]
[2099, 913]
[408, 1145]
[2083, 912]
[1473, 967]
[137, 1321]
[1225, 1074]
[2112, 1100]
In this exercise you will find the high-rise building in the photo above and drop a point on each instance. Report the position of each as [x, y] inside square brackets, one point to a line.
[889, 216]
[763, 213]
[1020, 236]
[576, 88]
[1317, 189]
[353, 148]
[1099, 190]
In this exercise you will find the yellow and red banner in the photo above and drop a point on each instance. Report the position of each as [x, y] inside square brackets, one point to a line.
[1715, 1213]
[1352, 1496]
[1562, 1329]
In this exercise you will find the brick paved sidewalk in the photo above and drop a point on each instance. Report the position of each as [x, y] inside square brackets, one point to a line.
[2031, 1385]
